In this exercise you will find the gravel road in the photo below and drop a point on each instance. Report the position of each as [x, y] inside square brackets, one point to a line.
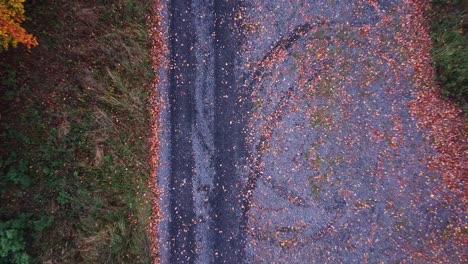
[288, 137]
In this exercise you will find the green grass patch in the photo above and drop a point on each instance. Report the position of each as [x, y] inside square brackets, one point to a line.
[450, 51]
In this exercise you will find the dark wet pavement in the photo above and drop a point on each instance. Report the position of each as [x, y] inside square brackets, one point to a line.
[206, 122]
[289, 138]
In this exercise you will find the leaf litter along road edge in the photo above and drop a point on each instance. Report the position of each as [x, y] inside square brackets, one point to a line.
[154, 104]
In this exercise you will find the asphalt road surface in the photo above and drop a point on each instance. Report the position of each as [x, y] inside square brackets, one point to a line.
[207, 120]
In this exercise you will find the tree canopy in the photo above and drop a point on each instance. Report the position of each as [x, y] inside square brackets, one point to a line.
[11, 32]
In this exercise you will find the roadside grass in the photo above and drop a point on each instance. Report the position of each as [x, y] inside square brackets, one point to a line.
[74, 130]
[450, 51]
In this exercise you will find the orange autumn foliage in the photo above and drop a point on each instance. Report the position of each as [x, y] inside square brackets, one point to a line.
[11, 32]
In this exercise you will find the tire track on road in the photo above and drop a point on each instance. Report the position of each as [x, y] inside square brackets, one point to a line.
[229, 138]
[208, 116]
[182, 73]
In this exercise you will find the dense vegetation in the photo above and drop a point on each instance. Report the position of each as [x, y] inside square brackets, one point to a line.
[74, 135]
[450, 52]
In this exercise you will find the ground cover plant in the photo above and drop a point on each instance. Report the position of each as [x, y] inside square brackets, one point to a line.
[74, 130]
[450, 53]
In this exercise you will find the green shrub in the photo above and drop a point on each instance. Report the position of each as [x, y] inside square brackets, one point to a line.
[18, 174]
[15, 233]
